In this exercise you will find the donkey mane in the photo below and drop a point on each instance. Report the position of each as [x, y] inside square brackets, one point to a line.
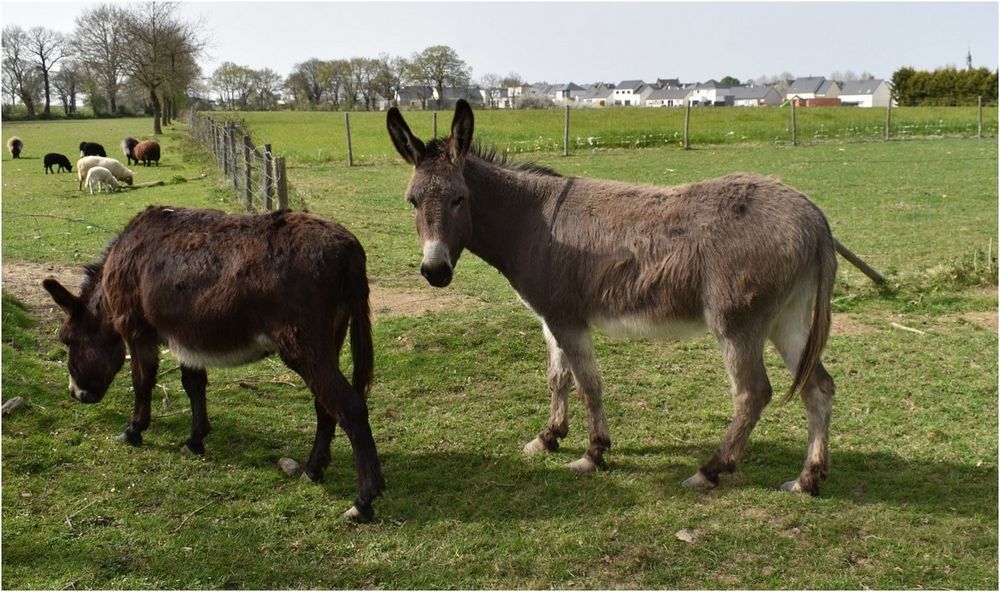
[490, 154]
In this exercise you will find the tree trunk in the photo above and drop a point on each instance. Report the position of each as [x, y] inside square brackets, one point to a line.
[47, 112]
[157, 112]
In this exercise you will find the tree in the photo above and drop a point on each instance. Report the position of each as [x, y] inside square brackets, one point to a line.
[389, 77]
[363, 74]
[162, 52]
[491, 83]
[305, 82]
[68, 82]
[22, 79]
[46, 47]
[234, 83]
[99, 43]
[265, 84]
[439, 66]
[730, 81]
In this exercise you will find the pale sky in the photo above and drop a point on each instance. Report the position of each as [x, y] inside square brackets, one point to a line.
[588, 41]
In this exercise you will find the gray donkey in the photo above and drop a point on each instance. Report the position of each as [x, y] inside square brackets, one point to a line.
[742, 256]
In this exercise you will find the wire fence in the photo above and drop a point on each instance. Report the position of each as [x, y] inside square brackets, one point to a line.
[258, 176]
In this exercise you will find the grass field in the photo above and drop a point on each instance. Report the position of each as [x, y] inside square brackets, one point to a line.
[912, 497]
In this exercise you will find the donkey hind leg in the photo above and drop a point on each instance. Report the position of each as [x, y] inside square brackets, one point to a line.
[145, 361]
[560, 380]
[579, 352]
[744, 362]
[352, 415]
[319, 458]
[194, 381]
[789, 335]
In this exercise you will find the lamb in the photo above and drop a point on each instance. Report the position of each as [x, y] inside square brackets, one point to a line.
[147, 150]
[52, 159]
[100, 178]
[15, 145]
[92, 149]
[128, 145]
[117, 169]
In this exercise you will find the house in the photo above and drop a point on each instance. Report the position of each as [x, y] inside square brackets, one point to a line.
[629, 92]
[813, 87]
[866, 93]
[668, 83]
[667, 97]
[414, 97]
[710, 93]
[598, 95]
[565, 93]
[755, 96]
[452, 94]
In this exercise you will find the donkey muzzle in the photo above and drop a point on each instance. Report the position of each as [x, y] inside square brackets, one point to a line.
[436, 266]
[438, 275]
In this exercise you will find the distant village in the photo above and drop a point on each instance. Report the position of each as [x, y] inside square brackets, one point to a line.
[669, 92]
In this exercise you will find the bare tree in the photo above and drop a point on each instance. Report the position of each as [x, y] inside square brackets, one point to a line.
[363, 74]
[22, 77]
[68, 82]
[391, 72]
[306, 82]
[162, 52]
[265, 83]
[99, 44]
[491, 83]
[46, 47]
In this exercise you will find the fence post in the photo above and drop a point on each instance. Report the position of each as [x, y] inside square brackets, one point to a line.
[225, 148]
[268, 178]
[795, 140]
[350, 151]
[979, 101]
[234, 166]
[434, 124]
[248, 153]
[687, 123]
[888, 120]
[566, 134]
[281, 181]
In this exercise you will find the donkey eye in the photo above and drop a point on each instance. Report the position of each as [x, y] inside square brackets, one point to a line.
[412, 201]
[455, 202]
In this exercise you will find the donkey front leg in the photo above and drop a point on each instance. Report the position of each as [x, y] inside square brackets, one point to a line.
[352, 415]
[579, 351]
[194, 381]
[560, 379]
[319, 458]
[145, 361]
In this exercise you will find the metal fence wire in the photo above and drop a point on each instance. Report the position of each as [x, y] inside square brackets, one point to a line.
[258, 176]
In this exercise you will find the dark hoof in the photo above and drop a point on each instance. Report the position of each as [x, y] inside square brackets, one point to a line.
[192, 448]
[312, 475]
[130, 438]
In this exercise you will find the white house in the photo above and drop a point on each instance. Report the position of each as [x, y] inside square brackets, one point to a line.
[813, 87]
[866, 93]
[667, 97]
[629, 93]
[755, 96]
[709, 93]
[598, 95]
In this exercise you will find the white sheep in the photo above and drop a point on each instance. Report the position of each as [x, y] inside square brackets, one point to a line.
[100, 177]
[116, 168]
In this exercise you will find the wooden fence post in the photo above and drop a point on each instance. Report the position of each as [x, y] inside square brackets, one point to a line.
[248, 153]
[268, 178]
[888, 120]
[795, 141]
[234, 166]
[566, 134]
[225, 148]
[281, 181]
[979, 101]
[687, 124]
[434, 124]
[859, 263]
[350, 151]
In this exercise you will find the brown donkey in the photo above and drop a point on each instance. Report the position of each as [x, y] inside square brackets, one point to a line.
[743, 256]
[226, 290]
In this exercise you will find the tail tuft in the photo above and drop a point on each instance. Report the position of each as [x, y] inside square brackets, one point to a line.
[819, 331]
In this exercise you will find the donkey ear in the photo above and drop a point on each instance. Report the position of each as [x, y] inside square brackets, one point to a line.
[461, 131]
[63, 297]
[409, 146]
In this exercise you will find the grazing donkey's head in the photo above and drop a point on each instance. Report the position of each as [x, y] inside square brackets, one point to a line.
[96, 351]
[438, 191]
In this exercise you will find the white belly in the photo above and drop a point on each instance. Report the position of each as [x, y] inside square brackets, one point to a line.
[260, 347]
[634, 326]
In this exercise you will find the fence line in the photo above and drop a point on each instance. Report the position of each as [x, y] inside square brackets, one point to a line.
[258, 176]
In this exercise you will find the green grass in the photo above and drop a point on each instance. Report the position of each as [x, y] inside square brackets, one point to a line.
[911, 501]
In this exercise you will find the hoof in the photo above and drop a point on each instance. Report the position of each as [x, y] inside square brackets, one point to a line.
[792, 486]
[129, 438]
[356, 515]
[698, 482]
[289, 466]
[534, 447]
[310, 476]
[192, 450]
[582, 466]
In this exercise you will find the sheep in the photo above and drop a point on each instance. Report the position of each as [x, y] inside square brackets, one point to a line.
[100, 178]
[128, 145]
[52, 159]
[147, 150]
[92, 149]
[15, 145]
[117, 169]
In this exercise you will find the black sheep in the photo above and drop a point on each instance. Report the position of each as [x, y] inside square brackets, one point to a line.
[52, 159]
[92, 149]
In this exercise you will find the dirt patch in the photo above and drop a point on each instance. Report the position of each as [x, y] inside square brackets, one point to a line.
[846, 326]
[23, 280]
[985, 319]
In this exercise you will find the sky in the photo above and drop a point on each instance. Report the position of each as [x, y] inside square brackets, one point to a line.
[589, 41]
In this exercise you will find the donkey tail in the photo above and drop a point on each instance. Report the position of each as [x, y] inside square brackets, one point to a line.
[819, 331]
[362, 352]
